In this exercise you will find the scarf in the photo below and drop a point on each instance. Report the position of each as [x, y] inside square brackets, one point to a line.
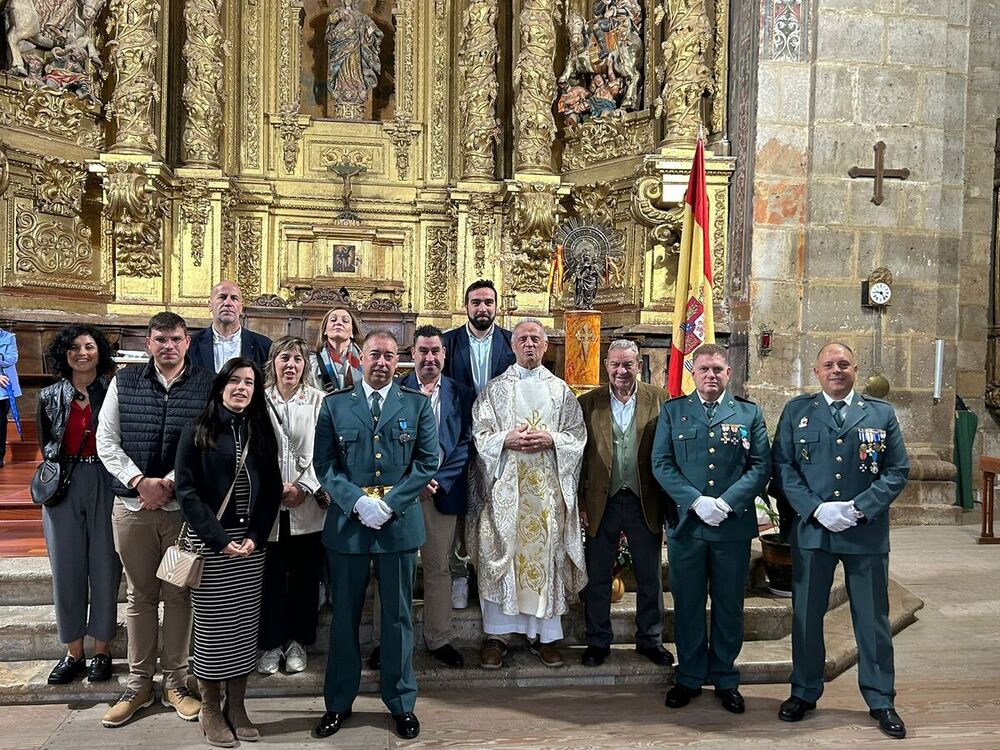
[334, 364]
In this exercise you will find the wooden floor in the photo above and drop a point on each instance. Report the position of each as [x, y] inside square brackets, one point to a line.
[20, 519]
[947, 665]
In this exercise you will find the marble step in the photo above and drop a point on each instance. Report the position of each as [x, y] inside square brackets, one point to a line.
[29, 632]
[24, 681]
[28, 580]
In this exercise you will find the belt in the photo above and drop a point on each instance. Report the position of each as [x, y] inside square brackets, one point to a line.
[380, 490]
[80, 460]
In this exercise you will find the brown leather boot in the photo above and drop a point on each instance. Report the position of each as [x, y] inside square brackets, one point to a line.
[213, 723]
[236, 711]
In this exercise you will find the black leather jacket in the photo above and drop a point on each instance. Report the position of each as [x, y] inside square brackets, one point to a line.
[54, 403]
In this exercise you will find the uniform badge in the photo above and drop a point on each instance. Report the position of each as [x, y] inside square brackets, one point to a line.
[402, 423]
[804, 422]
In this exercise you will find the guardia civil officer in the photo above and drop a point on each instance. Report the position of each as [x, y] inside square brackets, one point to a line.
[839, 461]
[711, 456]
[376, 449]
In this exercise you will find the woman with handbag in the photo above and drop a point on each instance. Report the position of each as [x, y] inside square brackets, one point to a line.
[295, 556]
[337, 361]
[76, 517]
[229, 487]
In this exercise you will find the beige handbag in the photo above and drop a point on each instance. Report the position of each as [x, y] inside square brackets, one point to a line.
[181, 566]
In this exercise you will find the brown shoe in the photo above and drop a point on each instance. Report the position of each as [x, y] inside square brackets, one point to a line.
[547, 653]
[491, 657]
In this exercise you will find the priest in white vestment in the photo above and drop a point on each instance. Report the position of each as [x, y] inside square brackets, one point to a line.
[523, 529]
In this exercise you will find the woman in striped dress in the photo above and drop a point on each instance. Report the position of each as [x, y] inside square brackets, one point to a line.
[230, 451]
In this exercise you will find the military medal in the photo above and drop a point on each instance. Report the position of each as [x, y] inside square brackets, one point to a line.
[745, 436]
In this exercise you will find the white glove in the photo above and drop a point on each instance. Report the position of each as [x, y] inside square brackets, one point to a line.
[723, 506]
[371, 512]
[387, 512]
[708, 511]
[836, 516]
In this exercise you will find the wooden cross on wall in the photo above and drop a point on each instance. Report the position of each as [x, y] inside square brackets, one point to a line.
[880, 173]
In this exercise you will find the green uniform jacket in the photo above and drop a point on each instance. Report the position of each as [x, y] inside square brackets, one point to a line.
[815, 461]
[729, 458]
[351, 453]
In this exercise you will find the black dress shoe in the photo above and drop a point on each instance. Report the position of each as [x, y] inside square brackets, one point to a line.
[67, 669]
[99, 669]
[448, 655]
[794, 709]
[889, 722]
[594, 656]
[407, 725]
[330, 723]
[656, 654]
[375, 660]
[679, 695]
[731, 699]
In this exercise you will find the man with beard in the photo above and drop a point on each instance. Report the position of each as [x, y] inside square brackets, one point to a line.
[444, 497]
[226, 338]
[477, 352]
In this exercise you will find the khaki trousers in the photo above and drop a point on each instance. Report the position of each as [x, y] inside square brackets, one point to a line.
[434, 555]
[141, 537]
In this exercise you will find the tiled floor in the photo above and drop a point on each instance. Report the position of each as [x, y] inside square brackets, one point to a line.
[948, 669]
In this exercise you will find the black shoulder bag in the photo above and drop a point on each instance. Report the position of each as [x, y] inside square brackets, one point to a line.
[50, 483]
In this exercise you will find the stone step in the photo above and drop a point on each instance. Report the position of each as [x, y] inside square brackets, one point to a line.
[28, 631]
[760, 662]
[925, 515]
[28, 580]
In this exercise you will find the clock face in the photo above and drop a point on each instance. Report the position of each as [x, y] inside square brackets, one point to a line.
[880, 293]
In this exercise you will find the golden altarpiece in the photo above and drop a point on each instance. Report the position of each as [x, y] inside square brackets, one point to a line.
[151, 148]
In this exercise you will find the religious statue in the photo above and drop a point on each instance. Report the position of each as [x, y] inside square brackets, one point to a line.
[590, 247]
[353, 41]
[605, 58]
[51, 42]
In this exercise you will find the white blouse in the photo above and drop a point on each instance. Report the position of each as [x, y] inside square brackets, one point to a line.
[295, 434]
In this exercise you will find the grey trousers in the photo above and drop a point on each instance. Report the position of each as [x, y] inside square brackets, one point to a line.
[86, 570]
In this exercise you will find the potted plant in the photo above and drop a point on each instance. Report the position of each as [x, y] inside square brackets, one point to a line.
[775, 549]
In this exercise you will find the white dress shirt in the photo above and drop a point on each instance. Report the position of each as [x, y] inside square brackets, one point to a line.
[623, 412]
[479, 356]
[225, 348]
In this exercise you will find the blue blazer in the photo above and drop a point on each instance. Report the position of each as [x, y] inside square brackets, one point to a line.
[253, 346]
[457, 363]
[8, 360]
[455, 439]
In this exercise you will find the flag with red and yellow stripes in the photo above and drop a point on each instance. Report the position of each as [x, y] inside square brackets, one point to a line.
[693, 321]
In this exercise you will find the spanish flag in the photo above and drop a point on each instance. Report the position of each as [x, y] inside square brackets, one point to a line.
[693, 322]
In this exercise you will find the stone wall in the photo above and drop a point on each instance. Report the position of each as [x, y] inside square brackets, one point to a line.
[836, 76]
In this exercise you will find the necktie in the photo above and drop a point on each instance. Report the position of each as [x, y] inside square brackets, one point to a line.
[710, 409]
[838, 417]
[376, 408]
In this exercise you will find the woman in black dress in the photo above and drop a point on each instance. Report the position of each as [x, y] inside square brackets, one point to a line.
[230, 449]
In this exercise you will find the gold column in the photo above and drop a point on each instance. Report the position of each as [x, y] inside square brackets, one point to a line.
[203, 49]
[134, 49]
[685, 73]
[535, 87]
[477, 65]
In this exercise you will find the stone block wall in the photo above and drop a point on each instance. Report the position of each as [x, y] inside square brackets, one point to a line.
[905, 72]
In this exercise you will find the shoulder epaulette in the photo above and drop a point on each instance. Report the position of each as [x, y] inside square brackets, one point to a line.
[345, 389]
[408, 389]
[876, 400]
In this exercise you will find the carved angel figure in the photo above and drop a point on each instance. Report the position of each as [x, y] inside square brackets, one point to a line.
[353, 41]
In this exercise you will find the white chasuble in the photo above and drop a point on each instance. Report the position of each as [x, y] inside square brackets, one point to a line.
[523, 528]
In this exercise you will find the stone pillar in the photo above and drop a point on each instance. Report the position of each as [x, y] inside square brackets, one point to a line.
[134, 51]
[685, 73]
[535, 88]
[202, 95]
[477, 65]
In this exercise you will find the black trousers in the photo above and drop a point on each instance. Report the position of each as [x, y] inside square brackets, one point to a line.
[291, 588]
[624, 513]
[4, 408]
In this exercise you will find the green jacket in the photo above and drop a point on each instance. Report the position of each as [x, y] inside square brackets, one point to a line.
[729, 458]
[816, 461]
[351, 453]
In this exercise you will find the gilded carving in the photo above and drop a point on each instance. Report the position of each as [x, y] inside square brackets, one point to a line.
[536, 210]
[195, 207]
[604, 138]
[477, 63]
[251, 85]
[361, 157]
[133, 58]
[290, 128]
[684, 72]
[58, 186]
[534, 82]
[439, 118]
[481, 222]
[441, 267]
[595, 203]
[4, 173]
[665, 223]
[402, 133]
[51, 111]
[249, 245]
[719, 246]
[720, 64]
[52, 248]
[230, 198]
[204, 47]
[135, 209]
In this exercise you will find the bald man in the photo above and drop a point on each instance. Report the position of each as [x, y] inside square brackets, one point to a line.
[226, 338]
